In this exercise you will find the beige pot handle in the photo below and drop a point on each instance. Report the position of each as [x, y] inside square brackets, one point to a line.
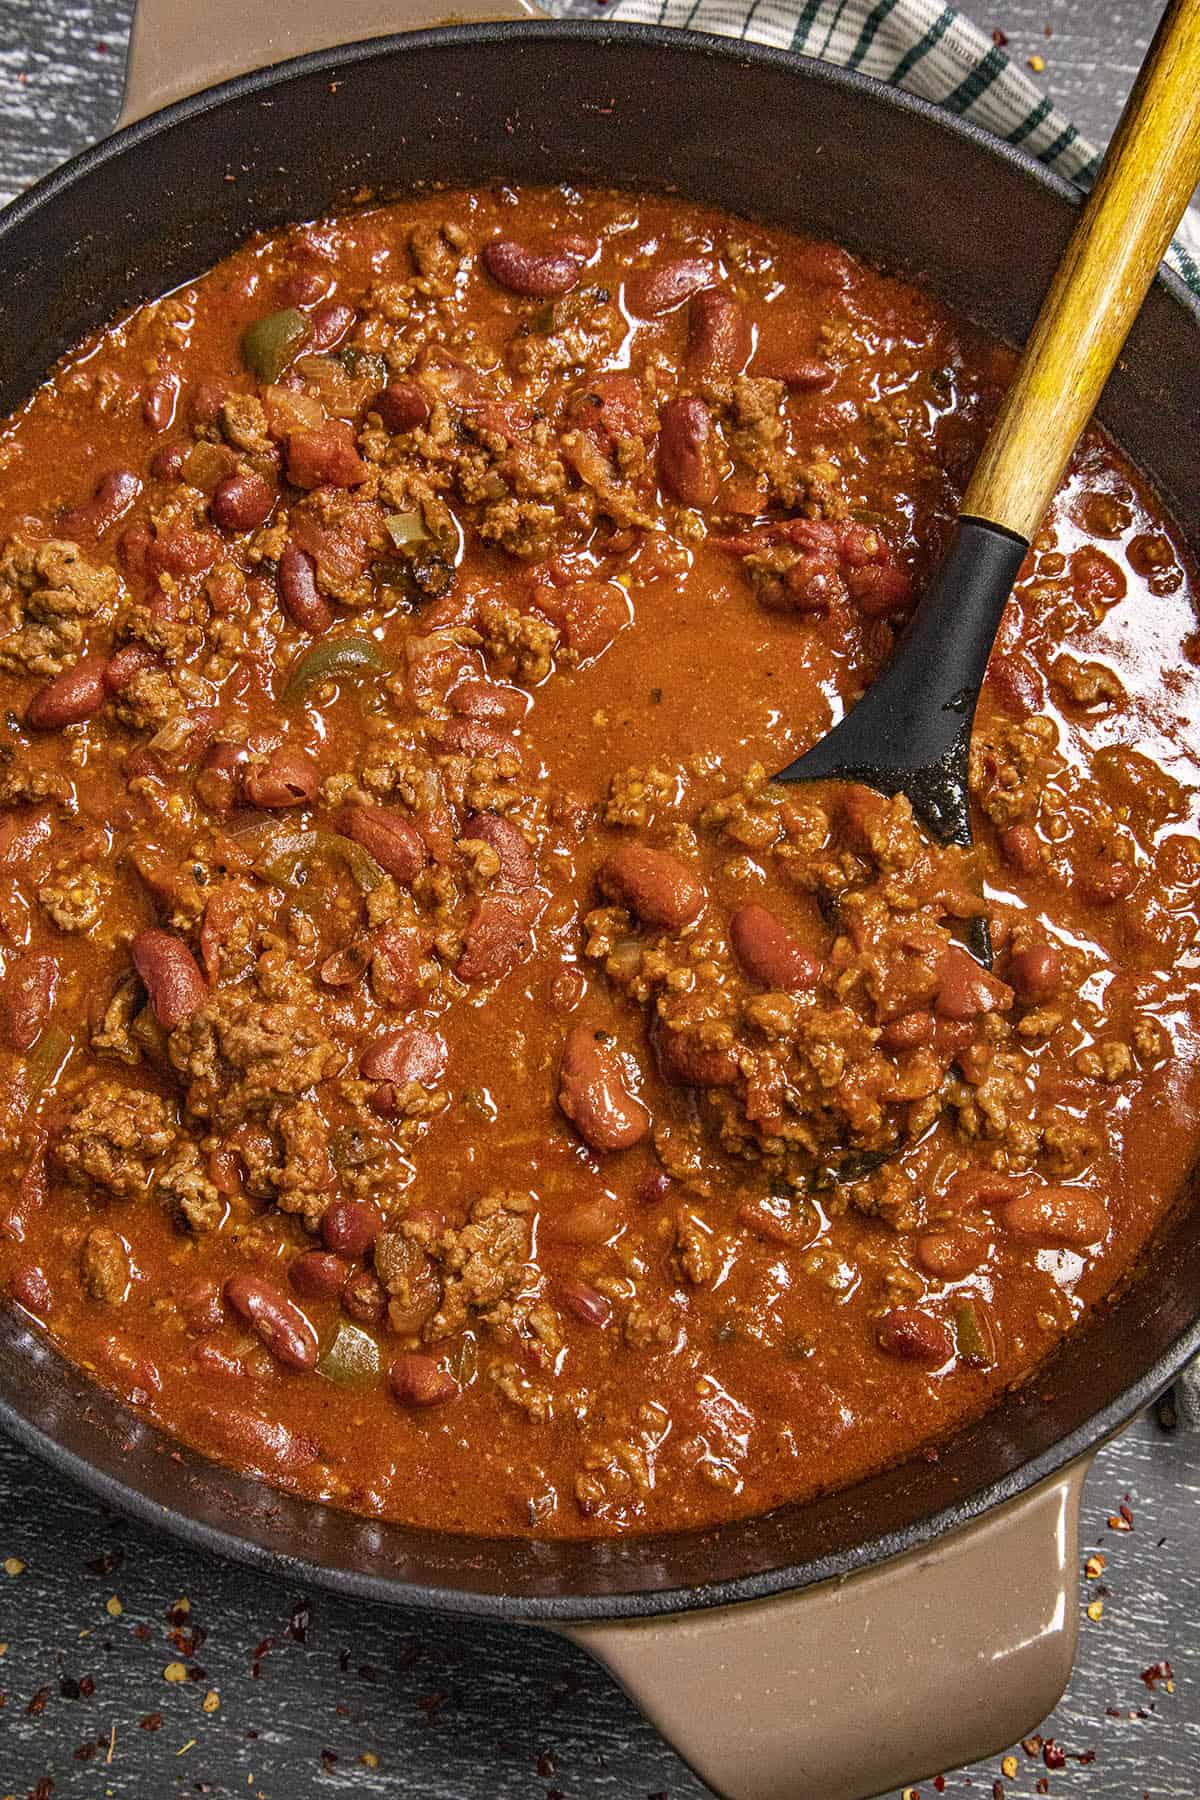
[178, 47]
[860, 1686]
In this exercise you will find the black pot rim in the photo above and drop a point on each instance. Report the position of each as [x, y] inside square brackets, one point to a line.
[558, 1608]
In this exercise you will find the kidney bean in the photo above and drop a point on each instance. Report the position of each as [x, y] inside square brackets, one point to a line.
[296, 580]
[218, 783]
[966, 989]
[952, 1252]
[115, 493]
[718, 339]
[907, 1032]
[1021, 849]
[487, 701]
[524, 271]
[127, 662]
[29, 1288]
[594, 1093]
[653, 1186]
[212, 1358]
[325, 457]
[685, 468]
[364, 1298]
[304, 289]
[687, 1061]
[274, 1319]
[801, 374]
[517, 869]
[470, 737]
[317, 1275]
[346, 968]
[584, 1301]
[350, 1227]
[653, 885]
[242, 502]
[388, 837]
[1035, 973]
[1105, 882]
[402, 406]
[499, 934]
[657, 291]
[206, 402]
[329, 325]
[1055, 1216]
[158, 403]
[417, 1380]
[200, 1305]
[286, 778]
[171, 975]
[248, 1440]
[769, 953]
[588, 1223]
[70, 698]
[915, 1336]
[396, 955]
[26, 997]
[165, 465]
[410, 1053]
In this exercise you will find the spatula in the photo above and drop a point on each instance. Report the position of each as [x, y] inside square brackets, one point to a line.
[910, 732]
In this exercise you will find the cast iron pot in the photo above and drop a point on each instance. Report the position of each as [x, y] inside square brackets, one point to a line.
[811, 1650]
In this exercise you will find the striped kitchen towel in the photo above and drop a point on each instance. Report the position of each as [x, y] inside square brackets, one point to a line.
[925, 47]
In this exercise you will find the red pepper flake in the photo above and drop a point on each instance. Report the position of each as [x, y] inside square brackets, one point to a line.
[997, 1790]
[999, 38]
[1032, 1746]
[546, 1765]
[1053, 1755]
[1086, 1757]
[939, 1784]
[37, 1705]
[87, 1686]
[84, 1752]
[107, 1563]
[1159, 1671]
[297, 1626]
[143, 1632]
[431, 1705]
[1126, 1512]
[329, 1760]
[1043, 1786]
[152, 1722]
[43, 1790]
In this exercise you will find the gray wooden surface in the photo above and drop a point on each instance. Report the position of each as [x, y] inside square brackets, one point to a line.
[317, 1697]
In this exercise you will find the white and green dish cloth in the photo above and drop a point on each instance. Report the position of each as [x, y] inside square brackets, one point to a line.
[921, 46]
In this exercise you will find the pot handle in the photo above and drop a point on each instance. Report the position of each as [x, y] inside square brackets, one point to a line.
[178, 47]
[862, 1685]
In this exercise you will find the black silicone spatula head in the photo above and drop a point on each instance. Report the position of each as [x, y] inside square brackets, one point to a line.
[910, 733]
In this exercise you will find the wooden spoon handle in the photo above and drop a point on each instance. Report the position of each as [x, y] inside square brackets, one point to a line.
[1151, 168]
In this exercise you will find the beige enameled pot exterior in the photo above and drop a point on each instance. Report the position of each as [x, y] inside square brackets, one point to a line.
[178, 47]
[856, 1686]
